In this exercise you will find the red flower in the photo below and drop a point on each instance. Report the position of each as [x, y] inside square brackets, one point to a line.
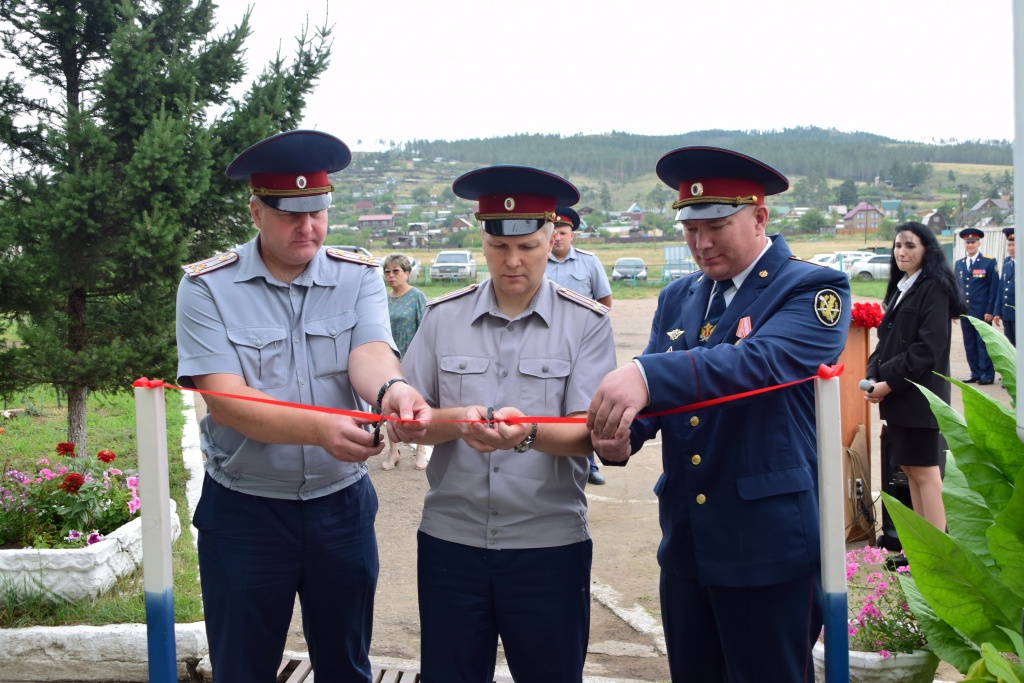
[2, 430]
[105, 456]
[66, 448]
[72, 482]
[866, 315]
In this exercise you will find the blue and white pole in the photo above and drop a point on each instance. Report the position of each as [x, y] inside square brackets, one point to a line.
[831, 498]
[154, 490]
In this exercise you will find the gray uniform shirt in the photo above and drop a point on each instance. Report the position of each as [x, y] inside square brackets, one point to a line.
[547, 361]
[289, 341]
[581, 272]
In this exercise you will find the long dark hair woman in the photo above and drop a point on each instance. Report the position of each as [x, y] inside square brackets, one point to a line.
[921, 301]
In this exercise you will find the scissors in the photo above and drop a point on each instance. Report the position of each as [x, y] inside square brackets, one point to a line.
[376, 431]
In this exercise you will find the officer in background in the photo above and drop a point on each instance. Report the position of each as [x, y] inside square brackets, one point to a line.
[504, 547]
[978, 276]
[1006, 302]
[582, 272]
[738, 499]
[287, 507]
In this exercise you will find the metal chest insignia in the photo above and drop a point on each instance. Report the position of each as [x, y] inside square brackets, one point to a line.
[675, 334]
[209, 265]
[828, 307]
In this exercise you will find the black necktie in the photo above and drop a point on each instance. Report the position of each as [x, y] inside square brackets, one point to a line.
[716, 309]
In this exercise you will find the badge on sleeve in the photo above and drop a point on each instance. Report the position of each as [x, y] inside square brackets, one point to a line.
[828, 307]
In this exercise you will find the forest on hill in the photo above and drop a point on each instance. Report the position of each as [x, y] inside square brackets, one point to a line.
[621, 157]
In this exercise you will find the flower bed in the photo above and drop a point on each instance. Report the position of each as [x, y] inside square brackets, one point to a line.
[78, 573]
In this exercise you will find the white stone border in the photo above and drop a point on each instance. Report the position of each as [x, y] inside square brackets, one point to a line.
[118, 652]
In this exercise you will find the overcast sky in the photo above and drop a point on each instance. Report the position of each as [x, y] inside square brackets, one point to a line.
[924, 70]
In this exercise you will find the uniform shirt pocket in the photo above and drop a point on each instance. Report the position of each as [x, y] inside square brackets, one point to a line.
[775, 483]
[264, 355]
[330, 340]
[462, 380]
[543, 383]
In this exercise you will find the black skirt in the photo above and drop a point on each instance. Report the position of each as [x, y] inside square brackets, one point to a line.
[915, 446]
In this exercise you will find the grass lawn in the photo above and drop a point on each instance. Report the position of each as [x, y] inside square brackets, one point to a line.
[110, 425]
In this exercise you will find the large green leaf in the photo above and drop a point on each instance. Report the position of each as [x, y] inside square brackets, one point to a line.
[1002, 353]
[983, 476]
[961, 590]
[967, 516]
[1006, 539]
[945, 641]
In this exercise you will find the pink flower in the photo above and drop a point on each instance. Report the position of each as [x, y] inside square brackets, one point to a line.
[94, 537]
[42, 461]
[884, 654]
[133, 482]
[73, 535]
[46, 474]
[134, 504]
[113, 471]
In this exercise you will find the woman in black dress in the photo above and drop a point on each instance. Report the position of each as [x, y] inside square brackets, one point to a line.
[921, 302]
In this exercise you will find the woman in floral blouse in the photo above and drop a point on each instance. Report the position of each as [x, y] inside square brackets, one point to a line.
[407, 306]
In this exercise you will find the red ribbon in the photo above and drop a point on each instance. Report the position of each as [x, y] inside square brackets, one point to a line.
[824, 372]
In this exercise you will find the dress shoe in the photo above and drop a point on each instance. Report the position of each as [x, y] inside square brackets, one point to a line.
[894, 562]
[970, 380]
[985, 381]
[595, 478]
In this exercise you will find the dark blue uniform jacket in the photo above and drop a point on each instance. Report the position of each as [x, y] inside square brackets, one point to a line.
[738, 497]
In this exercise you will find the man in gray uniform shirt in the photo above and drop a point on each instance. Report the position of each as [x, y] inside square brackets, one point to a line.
[581, 271]
[286, 506]
[504, 546]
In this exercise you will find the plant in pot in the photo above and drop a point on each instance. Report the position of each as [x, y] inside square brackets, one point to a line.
[886, 642]
[967, 587]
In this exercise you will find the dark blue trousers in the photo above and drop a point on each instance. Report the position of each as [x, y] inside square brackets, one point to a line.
[1010, 328]
[256, 554]
[977, 356]
[740, 635]
[537, 600]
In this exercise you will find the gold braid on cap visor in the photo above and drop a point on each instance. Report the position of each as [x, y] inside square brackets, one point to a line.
[705, 199]
[305, 192]
[546, 215]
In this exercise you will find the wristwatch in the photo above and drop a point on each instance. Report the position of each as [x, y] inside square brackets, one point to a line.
[527, 443]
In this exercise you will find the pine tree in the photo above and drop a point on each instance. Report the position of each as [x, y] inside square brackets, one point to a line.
[113, 178]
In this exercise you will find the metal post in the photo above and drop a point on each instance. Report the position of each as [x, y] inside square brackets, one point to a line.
[831, 497]
[1018, 164]
[154, 490]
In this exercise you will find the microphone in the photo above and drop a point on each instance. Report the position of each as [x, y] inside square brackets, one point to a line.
[866, 385]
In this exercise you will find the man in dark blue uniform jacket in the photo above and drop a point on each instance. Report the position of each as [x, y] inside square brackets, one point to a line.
[1006, 302]
[979, 281]
[738, 501]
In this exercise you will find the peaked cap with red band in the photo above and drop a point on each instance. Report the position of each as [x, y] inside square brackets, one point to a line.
[288, 171]
[566, 216]
[515, 200]
[715, 183]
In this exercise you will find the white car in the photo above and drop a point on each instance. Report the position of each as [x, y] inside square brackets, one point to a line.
[874, 268]
[841, 259]
[453, 265]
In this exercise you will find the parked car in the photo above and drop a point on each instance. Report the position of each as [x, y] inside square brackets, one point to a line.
[453, 265]
[822, 259]
[841, 259]
[676, 270]
[629, 269]
[874, 268]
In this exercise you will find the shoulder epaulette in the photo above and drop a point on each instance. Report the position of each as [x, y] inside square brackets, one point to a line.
[213, 263]
[813, 263]
[352, 257]
[452, 295]
[584, 301]
[584, 251]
